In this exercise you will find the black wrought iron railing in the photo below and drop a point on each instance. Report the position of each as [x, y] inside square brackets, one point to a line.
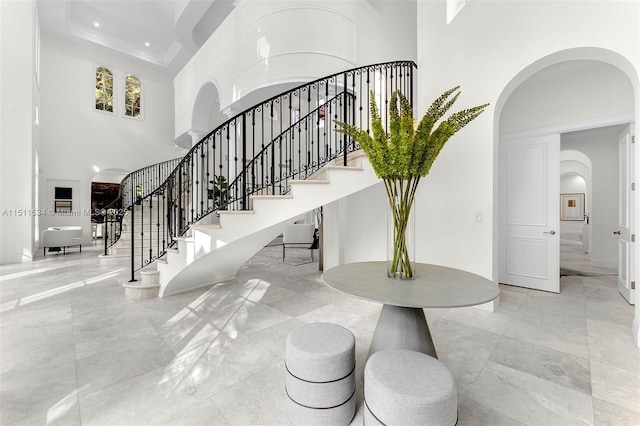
[297, 145]
[134, 187]
[258, 151]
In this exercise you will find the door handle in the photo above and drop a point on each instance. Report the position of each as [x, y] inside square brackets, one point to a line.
[549, 232]
[616, 232]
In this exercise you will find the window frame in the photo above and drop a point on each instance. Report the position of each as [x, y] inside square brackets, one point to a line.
[114, 91]
[140, 116]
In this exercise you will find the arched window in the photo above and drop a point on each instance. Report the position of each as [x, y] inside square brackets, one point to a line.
[104, 89]
[132, 96]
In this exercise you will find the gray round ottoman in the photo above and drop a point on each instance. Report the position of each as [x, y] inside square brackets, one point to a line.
[320, 378]
[403, 387]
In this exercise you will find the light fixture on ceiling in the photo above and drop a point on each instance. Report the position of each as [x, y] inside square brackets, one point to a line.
[146, 43]
[96, 24]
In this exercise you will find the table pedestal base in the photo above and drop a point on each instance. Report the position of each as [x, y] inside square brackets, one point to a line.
[402, 328]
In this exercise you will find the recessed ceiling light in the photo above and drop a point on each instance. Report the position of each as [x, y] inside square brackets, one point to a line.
[146, 43]
[96, 24]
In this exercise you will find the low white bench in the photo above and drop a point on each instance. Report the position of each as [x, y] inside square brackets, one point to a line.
[61, 237]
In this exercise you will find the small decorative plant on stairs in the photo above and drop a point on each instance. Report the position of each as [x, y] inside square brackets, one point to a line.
[218, 193]
[404, 156]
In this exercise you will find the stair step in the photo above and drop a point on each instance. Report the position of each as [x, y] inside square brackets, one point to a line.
[137, 291]
[354, 168]
[150, 277]
[309, 182]
[235, 212]
[205, 226]
[270, 197]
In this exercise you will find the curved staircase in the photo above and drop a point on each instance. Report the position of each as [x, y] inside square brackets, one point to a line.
[245, 182]
[215, 252]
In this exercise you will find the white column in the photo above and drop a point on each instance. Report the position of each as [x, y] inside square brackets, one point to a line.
[196, 136]
[331, 250]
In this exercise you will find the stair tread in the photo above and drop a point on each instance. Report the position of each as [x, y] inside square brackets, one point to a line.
[308, 181]
[236, 212]
[185, 239]
[271, 197]
[205, 226]
[336, 167]
[134, 285]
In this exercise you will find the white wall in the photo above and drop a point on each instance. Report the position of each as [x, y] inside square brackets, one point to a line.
[75, 136]
[489, 49]
[19, 96]
[601, 146]
[263, 43]
[572, 184]
[570, 92]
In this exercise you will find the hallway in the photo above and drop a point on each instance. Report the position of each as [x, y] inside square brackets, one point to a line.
[73, 351]
[574, 261]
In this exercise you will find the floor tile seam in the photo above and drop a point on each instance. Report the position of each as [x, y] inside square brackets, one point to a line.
[192, 405]
[475, 377]
[250, 376]
[617, 405]
[466, 396]
[82, 396]
[598, 301]
[178, 353]
[75, 359]
[560, 353]
[553, 311]
[122, 348]
[548, 382]
[627, 328]
[499, 333]
[589, 360]
[631, 372]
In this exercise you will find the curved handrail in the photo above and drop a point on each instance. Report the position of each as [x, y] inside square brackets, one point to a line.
[304, 171]
[297, 88]
[113, 212]
[233, 153]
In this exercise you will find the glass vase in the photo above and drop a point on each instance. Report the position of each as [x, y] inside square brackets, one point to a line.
[400, 239]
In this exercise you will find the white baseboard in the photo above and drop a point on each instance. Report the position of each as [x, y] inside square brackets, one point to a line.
[7, 260]
[635, 331]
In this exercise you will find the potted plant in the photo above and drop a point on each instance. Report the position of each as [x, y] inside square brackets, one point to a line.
[403, 156]
[219, 191]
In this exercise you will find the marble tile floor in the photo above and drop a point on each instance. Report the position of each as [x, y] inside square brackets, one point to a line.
[573, 260]
[74, 351]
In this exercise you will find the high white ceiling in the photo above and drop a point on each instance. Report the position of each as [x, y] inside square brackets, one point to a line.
[163, 32]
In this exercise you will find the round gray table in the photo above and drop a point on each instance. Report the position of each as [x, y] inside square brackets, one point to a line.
[402, 324]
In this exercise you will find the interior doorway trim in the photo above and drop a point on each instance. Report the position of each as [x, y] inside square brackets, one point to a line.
[575, 126]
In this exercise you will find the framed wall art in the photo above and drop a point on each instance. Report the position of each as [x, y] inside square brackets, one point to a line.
[572, 206]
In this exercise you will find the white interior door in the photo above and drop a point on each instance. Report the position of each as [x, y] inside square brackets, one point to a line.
[626, 262]
[529, 213]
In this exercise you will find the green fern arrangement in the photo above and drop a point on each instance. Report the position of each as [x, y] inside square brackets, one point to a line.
[406, 154]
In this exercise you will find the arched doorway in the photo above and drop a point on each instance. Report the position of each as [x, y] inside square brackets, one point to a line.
[583, 113]
[105, 188]
[206, 114]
